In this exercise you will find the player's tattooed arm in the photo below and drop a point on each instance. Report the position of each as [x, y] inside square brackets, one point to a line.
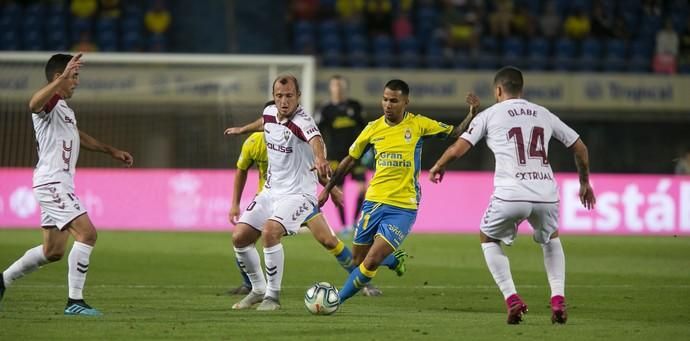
[582, 162]
[253, 127]
[473, 101]
[343, 168]
[90, 143]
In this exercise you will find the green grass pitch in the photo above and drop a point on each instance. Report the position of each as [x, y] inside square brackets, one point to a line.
[171, 286]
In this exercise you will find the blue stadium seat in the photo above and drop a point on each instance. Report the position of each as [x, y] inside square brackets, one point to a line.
[356, 44]
[463, 60]
[590, 55]
[329, 27]
[9, 41]
[303, 27]
[330, 43]
[353, 27]
[425, 22]
[131, 41]
[56, 40]
[331, 59]
[157, 43]
[32, 40]
[382, 44]
[107, 41]
[409, 60]
[408, 45]
[513, 50]
[564, 54]
[79, 25]
[358, 59]
[615, 59]
[538, 51]
[533, 6]
[106, 25]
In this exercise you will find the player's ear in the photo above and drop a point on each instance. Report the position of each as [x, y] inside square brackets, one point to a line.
[56, 75]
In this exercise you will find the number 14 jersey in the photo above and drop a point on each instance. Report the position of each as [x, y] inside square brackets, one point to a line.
[518, 133]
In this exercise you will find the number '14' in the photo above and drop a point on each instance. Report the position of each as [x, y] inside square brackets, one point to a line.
[537, 150]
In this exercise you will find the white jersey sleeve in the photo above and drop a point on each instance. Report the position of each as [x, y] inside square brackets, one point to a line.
[562, 132]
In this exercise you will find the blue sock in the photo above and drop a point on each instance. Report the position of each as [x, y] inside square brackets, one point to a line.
[390, 262]
[358, 278]
[344, 256]
[245, 279]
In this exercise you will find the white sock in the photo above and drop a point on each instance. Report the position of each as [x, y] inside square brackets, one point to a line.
[275, 260]
[78, 265]
[26, 264]
[554, 262]
[249, 261]
[500, 268]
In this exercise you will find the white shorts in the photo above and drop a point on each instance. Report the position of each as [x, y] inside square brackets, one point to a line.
[502, 218]
[59, 205]
[289, 210]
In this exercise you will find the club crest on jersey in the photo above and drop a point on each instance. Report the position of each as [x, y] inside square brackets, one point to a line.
[408, 135]
[286, 135]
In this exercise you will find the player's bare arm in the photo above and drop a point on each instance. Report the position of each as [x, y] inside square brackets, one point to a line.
[337, 195]
[253, 127]
[92, 144]
[456, 150]
[473, 101]
[60, 84]
[238, 187]
[344, 167]
[582, 162]
[320, 163]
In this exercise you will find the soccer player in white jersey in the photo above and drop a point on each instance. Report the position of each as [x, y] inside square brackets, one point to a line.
[518, 133]
[59, 141]
[295, 149]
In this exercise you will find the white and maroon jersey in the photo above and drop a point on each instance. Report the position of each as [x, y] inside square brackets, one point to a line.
[518, 133]
[290, 157]
[58, 143]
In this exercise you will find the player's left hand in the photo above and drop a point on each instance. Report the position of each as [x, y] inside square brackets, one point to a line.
[473, 101]
[587, 197]
[436, 174]
[123, 156]
[323, 197]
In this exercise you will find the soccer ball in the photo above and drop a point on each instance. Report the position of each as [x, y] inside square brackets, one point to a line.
[322, 299]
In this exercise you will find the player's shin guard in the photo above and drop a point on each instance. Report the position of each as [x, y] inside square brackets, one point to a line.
[78, 265]
[26, 264]
[499, 266]
[275, 261]
[554, 262]
[358, 278]
[250, 264]
[245, 279]
[344, 256]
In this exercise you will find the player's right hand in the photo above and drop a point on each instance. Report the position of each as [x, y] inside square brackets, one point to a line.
[587, 197]
[72, 66]
[233, 131]
[436, 174]
[473, 101]
[323, 197]
[234, 214]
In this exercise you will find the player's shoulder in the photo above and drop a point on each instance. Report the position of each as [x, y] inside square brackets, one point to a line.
[255, 137]
[270, 110]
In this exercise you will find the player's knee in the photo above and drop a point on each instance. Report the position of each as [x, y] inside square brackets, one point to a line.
[272, 234]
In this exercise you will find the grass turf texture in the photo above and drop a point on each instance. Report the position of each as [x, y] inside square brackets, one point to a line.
[171, 285]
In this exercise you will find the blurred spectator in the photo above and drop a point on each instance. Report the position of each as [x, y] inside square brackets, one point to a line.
[602, 25]
[577, 25]
[379, 17]
[460, 27]
[83, 8]
[666, 49]
[500, 19]
[402, 26]
[522, 22]
[347, 9]
[667, 40]
[620, 29]
[304, 9]
[651, 8]
[550, 22]
[683, 164]
[157, 18]
[85, 44]
[110, 8]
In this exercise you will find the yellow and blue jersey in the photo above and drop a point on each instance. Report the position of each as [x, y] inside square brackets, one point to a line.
[254, 152]
[397, 154]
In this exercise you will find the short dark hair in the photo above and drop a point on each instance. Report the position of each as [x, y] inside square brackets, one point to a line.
[510, 78]
[396, 84]
[56, 64]
[284, 79]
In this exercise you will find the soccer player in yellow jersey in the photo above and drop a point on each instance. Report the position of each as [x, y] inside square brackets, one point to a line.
[254, 153]
[390, 206]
